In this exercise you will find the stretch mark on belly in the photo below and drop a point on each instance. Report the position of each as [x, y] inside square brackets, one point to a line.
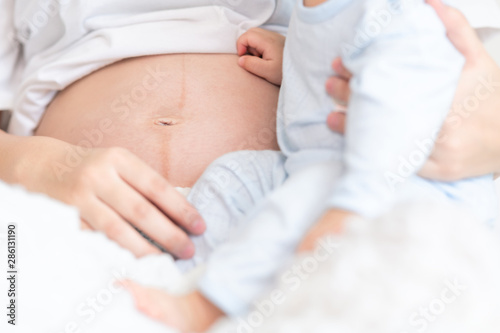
[182, 100]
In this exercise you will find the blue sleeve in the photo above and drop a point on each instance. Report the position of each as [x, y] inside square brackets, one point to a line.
[405, 78]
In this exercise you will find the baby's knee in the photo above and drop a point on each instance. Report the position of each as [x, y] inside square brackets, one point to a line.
[243, 167]
[226, 171]
[242, 174]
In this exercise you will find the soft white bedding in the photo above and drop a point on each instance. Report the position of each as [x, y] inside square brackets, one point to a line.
[65, 275]
[421, 268]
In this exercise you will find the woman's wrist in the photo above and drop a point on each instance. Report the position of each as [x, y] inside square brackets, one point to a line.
[27, 159]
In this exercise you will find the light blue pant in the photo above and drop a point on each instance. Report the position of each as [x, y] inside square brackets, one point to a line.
[257, 214]
[263, 233]
[227, 191]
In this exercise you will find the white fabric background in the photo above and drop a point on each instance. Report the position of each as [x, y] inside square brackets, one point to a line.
[493, 45]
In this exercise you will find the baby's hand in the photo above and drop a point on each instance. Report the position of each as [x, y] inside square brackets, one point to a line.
[331, 223]
[261, 53]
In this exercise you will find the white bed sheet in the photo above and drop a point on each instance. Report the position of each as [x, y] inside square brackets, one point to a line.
[64, 274]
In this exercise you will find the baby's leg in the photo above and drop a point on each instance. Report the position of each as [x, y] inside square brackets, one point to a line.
[187, 313]
[243, 268]
[231, 187]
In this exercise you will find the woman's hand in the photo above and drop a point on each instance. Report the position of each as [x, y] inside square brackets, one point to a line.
[469, 142]
[113, 189]
[261, 53]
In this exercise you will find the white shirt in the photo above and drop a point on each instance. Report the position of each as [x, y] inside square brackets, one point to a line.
[45, 45]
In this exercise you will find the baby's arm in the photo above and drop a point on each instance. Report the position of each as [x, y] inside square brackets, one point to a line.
[403, 85]
[261, 53]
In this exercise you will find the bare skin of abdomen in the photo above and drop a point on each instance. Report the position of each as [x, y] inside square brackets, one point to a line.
[177, 112]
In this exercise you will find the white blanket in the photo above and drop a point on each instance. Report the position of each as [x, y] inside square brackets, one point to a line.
[421, 268]
[65, 277]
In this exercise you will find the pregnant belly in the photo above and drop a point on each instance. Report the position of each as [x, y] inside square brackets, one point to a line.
[176, 112]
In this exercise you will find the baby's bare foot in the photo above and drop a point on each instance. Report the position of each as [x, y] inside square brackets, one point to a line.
[189, 313]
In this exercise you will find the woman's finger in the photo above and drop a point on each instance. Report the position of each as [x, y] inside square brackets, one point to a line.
[336, 122]
[85, 226]
[158, 191]
[143, 215]
[106, 220]
[339, 89]
[339, 68]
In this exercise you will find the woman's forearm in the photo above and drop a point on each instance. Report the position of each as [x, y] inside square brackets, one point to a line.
[75, 176]
[8, 162]
[13, 162]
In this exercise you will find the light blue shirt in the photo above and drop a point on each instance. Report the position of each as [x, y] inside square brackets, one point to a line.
[405, 77]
